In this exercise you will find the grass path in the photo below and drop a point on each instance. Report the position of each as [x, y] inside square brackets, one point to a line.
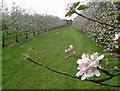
[47, 48]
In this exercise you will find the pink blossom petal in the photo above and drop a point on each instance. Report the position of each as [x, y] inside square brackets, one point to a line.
[95, 54]
[81, 66]
[97, 73]
[66, 51]
[86, 61]
[90, 73]
[116, 36]
[119, 34]
[80, 61]
[92, 65]
[83, 56]
[79, 73]
[83, 76]
[100, 57]
[70, 15]
[71, 47]
[116, 41]
[70, 50]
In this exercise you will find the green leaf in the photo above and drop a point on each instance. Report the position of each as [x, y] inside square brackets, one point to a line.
[76, 4]
[82, 7]
[69, 13]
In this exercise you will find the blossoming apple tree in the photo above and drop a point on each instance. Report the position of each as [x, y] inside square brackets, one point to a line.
[17, 22]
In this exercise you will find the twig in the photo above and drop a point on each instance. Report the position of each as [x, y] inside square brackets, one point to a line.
[96, 21]
[77, 56]
[95, 81]
[107, 73]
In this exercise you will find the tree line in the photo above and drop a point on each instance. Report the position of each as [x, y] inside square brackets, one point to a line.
[19, 22]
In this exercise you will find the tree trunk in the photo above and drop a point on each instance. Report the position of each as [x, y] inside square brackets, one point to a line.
[16, 38]
[3, 40]
[33, 33]
[26, 35]
[38, 32]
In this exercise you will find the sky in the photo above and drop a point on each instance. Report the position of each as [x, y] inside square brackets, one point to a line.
[49, 7]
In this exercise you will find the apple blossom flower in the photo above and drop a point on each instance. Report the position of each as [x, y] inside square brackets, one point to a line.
[88, 65]
[82, 72]
[95, 57]
[116, 41]
[69, 7]
[117, 36]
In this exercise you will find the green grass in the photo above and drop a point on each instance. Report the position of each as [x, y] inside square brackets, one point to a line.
[48, 48]
[0, 60]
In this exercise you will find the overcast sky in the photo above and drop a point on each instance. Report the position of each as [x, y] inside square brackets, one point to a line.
[50, 7]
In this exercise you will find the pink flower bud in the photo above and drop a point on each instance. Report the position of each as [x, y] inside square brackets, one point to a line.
[66, 51]
[115, 41]
[86, 70]
[71, 47]
[70, 15]
[95, 54]
[67, 9]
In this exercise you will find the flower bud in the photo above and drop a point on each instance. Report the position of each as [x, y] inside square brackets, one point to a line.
[66, 51]
[115, 41]
[71, 47]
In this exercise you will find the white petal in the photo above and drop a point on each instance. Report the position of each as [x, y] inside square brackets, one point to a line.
[87, 56]
[83, 56]
[83, 76]
[79, 73]
[119, 34]
[90, 73]
[79, 61]
[100, 57]
[97, 73]
[91, 56]
[94, 56]
[116, 36]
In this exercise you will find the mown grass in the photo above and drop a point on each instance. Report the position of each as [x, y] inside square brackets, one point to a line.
[48, 48]
[0, 60]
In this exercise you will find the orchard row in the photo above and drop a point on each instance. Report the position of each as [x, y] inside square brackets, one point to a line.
[108, 13]
[19, 22]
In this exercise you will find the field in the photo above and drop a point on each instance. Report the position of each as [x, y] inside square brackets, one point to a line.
[48, 48]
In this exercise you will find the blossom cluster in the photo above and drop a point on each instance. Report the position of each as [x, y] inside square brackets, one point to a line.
[88, 65]
[70, 49]
[117, 37]
[69, 7]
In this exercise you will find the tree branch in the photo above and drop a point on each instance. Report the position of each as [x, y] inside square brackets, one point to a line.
[107, 73]
[98, 81]
[96, 21]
